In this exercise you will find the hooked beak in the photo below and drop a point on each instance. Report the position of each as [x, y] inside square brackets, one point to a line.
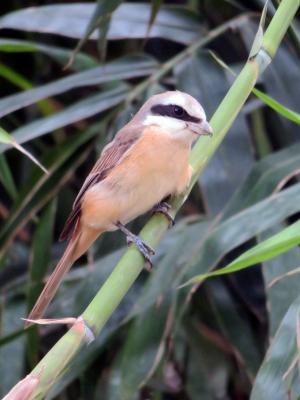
[201, 128]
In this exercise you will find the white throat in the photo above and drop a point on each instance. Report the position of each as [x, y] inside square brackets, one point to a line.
[175, 127]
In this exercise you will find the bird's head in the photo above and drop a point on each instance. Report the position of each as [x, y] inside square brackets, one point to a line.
[176, 112]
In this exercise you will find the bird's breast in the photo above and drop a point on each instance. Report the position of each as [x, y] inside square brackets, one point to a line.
[155, 167]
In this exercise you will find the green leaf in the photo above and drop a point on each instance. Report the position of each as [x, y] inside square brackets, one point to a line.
[276, 106]
[272, 380]
[233, 320]
[6, 177]
[71, 20]
[144, 348]
[6, 138]
[207, 371]
[40, 257]
[124, 68]
[100, 19]
[263, 179]
[275, 245]
[155, 6]
[239, 228]
[59, 54]
[281, 270]
[82, 109]
[14, 77]
[11, 367]
[40, 188]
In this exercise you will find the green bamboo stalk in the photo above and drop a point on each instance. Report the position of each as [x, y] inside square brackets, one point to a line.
[131, 264]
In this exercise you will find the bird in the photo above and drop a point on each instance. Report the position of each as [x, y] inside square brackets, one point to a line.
[145, 164]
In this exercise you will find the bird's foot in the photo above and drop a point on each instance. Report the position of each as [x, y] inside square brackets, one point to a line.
[163, 207]
[145, 250]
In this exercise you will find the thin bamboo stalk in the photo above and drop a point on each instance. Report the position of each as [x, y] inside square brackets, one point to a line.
[131, 264]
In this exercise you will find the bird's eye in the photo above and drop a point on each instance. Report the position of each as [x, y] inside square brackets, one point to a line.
[178, 111]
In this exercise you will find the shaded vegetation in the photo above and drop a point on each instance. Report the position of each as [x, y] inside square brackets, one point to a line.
[202, 342]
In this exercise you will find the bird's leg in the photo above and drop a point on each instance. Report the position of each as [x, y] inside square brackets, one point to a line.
[146, 250]
[163, 207]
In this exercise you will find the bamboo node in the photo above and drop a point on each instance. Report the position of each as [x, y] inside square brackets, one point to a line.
[263, 59]
[89, 335]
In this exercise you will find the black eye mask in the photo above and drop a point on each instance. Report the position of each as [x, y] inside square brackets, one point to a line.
[174, 111]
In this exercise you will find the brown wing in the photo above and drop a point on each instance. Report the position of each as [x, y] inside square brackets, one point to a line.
[110, 156]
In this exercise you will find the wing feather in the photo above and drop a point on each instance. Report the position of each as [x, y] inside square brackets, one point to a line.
[109, 158]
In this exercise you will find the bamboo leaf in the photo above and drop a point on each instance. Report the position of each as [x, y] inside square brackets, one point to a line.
[155, 6]
[278, 107]
[39, 261]
[38, 188]
[275, 245]
[14, 77]
[144, 348]
[127, 67]
[282, 294]
[273, 380]
[239, 228]
[11, 326]
[71, 20]
[130, 266]
[6, 138]
[77, 111]
[100, 19]
[61, 55]
[7, 178]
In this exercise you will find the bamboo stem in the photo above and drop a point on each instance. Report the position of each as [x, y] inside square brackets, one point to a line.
[131, 264]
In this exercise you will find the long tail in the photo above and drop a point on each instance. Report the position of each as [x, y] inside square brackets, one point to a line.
[78, 244]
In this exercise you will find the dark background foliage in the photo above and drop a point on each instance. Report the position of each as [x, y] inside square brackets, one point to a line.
[162, 342]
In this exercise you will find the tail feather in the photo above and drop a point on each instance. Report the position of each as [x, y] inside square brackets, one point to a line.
[79, 243]
[53, 282]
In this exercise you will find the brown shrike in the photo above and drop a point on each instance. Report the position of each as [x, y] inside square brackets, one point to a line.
[147, 162]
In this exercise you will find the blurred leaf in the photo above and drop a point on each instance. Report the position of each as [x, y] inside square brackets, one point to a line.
[40, 255]
[270, 382]
[275, 245]
[286, 112]
[207, 371]
[127, 67]
[144, 348]
[82, 109]
[155, 6]
[239, 228]
[6, 177]
[39, 261]
[11, 367]
[59, 54]
[71, 20]
[232, 319]
[39, 188]
[100, 19]
[4, 339]
[14, 77]
[281, 295]
[6, 138]
[263, 179]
